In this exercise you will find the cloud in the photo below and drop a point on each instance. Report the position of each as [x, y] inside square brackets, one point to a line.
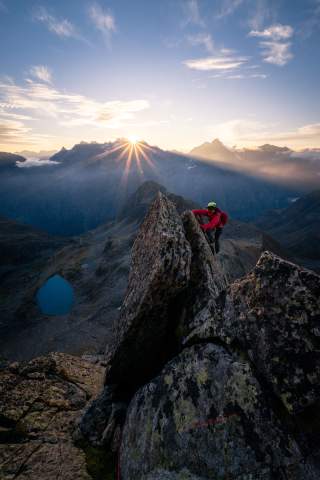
[312, 23]
[262, 12]
[11, 132]
[247, 131]
[41, 72]
[259, 75]
[274, 46]
[61, 27]
[203, 39]
[228, 7]
[104, 21]
[68, 109]
[306, 132]
[276, 53]
[215, 63]
[274, 32]
[36, 162]
[239, 129]
[240, 76]
[192, 14]
[308, 153]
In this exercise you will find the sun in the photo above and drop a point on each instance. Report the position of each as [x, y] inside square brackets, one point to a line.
[133, 139]
[133, 151]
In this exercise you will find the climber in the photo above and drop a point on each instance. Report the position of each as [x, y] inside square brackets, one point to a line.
[217, 220]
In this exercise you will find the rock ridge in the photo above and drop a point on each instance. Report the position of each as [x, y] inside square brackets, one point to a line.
[232, 390]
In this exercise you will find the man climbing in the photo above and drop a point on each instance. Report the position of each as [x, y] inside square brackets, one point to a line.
[217, 220]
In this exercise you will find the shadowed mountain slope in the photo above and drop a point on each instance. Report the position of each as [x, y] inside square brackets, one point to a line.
[297, 228]
[96, 265]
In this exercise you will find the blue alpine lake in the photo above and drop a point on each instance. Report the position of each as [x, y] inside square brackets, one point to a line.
[56, 296]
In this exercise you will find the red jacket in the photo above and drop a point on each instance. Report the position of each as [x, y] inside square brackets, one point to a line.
[217, 218]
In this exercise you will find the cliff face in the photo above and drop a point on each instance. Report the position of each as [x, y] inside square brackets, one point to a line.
[207, 379]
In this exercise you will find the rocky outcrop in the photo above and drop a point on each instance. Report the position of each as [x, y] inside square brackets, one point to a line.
[210, 380]
[274, 315]
[205, 414]
[207, 279]
[204, 379]
[160, 272]
[39, 403]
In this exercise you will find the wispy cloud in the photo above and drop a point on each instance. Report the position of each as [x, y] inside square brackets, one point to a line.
[262, 11]
[103, 20]
[41, 72]
[312, 23]
[216, 63]
[191, 13]
[276, 53]
[228, 7]
[59, 26]
[203, 39]
[258, 75]
[306, 132]
[275, 47]
[274, 32]
[68, 109]
[239, 76]
[15, 132]
[248, 131]
[11, 132]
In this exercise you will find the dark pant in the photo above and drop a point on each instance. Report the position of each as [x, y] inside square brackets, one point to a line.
[214, 236]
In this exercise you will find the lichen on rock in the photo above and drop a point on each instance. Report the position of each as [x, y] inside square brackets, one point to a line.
[39, 404]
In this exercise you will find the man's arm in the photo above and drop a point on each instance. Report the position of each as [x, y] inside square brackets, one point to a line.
[200, 212]
[213, 222]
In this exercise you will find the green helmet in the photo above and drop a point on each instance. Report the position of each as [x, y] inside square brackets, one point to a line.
[212, 205]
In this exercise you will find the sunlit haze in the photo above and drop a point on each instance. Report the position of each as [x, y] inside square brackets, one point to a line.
[174, 73]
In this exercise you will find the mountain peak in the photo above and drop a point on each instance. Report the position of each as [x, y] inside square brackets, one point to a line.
[215, 150]
[218, 142]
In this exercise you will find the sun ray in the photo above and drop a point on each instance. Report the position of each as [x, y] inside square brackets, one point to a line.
[131, 151]
[127, 166]
[126, 149]
[145, 156]
[107, 152]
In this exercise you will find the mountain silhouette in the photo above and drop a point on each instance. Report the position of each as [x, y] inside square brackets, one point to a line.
[87, 185]
[215, 150]
[277, 164]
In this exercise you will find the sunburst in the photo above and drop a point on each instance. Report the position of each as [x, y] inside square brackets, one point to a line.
[131, 150]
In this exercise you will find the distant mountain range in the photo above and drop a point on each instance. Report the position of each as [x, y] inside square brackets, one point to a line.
[299, 169]
[42, 154]
[80, 188]
[10, 160]
[297, 228]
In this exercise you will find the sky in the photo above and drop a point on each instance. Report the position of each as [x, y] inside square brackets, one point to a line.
[175, 73]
